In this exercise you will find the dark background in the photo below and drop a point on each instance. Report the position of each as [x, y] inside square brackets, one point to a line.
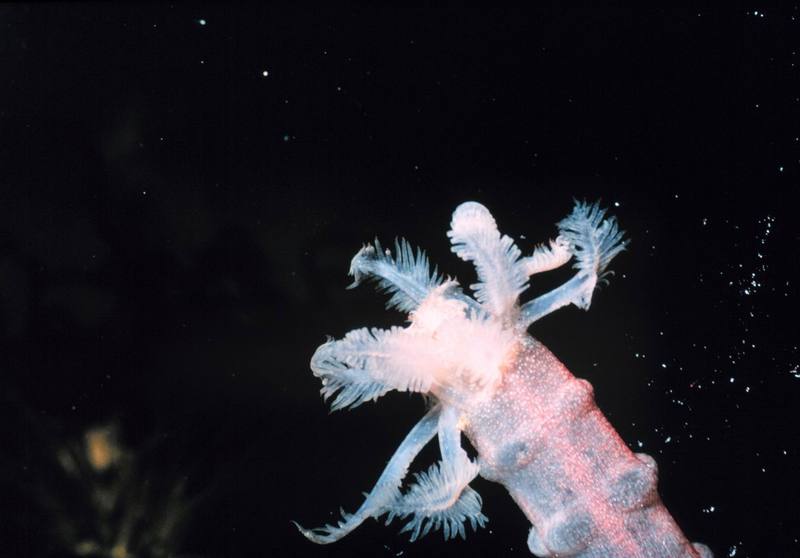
[176, 229]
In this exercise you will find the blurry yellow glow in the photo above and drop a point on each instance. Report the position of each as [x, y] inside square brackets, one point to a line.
[86, 548]
[101, 448]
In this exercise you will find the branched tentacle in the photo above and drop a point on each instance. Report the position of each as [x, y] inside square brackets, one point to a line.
[593, 241]
[365, 365]
[547, 256]
[441, 497]
[387, 490]
[502, 276]
[407, 276]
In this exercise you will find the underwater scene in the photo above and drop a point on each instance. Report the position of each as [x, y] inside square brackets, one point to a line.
[397, 281]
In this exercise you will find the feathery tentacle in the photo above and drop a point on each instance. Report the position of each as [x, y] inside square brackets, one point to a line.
[502, 276]
[386, 490]
[593, 241]
[366, 364]
[441, 497]
[406, 276]
[547, 256]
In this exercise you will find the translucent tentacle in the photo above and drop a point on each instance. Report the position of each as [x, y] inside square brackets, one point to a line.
[441, 497]
[501, 275]
[386, 490]
[366, 364]
[573, 290]
[407, 276]
[593, 241]
[450, 434]
[547, 256]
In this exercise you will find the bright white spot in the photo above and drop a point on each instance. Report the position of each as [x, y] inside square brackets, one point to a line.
[616, 204]
[201, 22]
[265, 73]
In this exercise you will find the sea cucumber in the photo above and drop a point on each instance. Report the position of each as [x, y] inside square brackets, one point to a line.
[536, 427]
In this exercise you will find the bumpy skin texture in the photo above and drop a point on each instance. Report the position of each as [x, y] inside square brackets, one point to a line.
[586, 494]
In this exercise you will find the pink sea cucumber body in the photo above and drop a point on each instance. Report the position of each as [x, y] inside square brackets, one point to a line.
[586, 494]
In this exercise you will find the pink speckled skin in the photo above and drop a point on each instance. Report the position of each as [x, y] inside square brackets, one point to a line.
[586, 494]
